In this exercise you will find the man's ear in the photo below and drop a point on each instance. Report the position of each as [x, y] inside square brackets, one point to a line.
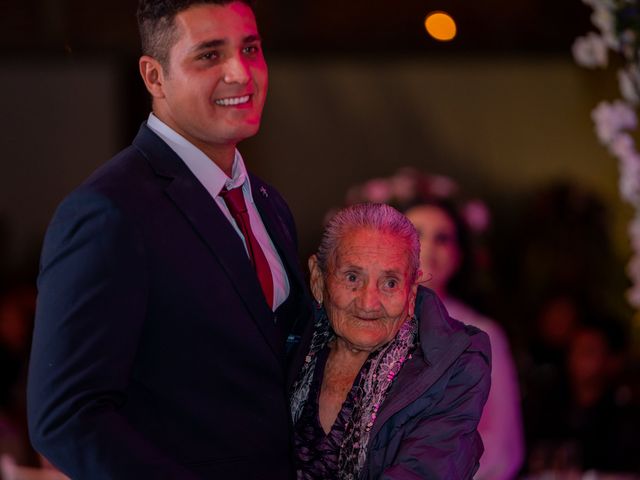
[153, 75]
[316, 279]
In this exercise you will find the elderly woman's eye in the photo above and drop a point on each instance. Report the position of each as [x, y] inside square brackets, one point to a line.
[392, 283]
[351, 277]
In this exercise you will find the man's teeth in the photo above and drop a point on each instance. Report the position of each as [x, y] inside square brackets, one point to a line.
[226, 102]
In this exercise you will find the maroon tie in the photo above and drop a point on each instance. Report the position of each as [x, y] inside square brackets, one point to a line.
[235, 202]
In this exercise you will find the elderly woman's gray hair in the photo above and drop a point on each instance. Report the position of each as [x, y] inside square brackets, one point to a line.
[375, 216]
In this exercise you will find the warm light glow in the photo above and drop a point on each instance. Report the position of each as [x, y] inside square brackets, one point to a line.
[440, 26]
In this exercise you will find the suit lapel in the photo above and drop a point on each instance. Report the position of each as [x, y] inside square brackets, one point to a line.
[292, 311]
[195, 203]
[277, 230]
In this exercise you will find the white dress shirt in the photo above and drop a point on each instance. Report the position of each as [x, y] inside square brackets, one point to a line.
[214, 180]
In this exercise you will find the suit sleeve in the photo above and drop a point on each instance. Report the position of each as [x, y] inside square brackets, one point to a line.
[444, 444]
[92, 293]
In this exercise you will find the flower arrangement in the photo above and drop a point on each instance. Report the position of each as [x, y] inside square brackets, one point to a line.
[618, 25]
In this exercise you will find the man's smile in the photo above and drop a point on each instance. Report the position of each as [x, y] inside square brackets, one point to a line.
[233, 101]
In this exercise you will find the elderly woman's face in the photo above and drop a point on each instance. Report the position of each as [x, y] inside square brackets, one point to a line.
[368, 291]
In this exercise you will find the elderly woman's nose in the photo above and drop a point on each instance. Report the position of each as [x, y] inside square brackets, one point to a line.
[369, 298]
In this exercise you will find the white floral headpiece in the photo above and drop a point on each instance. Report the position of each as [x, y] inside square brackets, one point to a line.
[409, 186]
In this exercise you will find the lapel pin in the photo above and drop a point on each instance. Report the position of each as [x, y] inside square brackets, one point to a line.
[263, 191]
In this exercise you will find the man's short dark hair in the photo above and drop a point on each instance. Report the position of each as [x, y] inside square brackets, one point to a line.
[156, 24]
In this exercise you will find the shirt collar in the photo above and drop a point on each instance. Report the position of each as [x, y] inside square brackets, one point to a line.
[206, 171]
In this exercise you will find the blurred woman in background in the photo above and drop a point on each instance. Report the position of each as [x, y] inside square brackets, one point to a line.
[443, 257]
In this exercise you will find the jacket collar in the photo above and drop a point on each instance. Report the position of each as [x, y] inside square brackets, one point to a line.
[437, 329]
[442, 340]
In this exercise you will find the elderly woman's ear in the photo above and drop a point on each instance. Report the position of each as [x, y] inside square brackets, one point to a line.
[413, 294]
[316, 279]
[412, 299]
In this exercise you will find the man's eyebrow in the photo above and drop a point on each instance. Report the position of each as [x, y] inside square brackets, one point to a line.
[221, 42]
[251, 39]
[208, 44]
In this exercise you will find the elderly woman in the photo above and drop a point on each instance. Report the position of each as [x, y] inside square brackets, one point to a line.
[391, 387]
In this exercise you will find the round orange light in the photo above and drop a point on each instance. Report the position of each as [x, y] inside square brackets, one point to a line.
[440, 26]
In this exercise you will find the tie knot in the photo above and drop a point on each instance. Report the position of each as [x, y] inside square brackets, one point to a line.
[234, 199]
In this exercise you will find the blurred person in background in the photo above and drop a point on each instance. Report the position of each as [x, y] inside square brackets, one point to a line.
[443, 250]
[566, 263]
[587, 419]
[549, 334]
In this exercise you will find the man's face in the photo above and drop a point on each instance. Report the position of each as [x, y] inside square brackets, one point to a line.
[214, 86]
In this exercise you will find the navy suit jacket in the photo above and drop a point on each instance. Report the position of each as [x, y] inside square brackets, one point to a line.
[154, 353]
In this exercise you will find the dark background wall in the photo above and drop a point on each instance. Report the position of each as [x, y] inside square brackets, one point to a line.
[357, 90]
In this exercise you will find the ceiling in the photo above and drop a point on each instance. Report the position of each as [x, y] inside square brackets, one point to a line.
[302, 27]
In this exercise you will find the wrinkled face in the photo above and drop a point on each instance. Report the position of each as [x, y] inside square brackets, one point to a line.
[214, 87]
[440, 255]
[368, 292]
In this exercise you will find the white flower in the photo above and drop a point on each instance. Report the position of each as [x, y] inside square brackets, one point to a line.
[441, 186]
[629, 81]
[634, 232]
[376, 190]
[477, 215]
[604, 20]
[630, 178]
[633, 267]
[590, 51]
[622, 146]
[628, 42]
[599, 3]
[403, 184]
[633, 295]
[611, 118]
[629, 190]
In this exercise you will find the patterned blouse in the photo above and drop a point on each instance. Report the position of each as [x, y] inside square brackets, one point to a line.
[317, 453]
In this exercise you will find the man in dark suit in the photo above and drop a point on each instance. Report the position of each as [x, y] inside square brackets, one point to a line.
[169, 280]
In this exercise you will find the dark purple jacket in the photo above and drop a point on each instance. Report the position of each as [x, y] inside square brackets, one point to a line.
[427, 426]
